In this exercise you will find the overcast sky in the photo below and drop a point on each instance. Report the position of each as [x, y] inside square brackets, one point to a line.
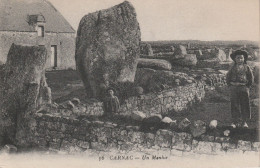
[179, 19]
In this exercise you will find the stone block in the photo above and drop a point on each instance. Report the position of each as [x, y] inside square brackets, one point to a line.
[234, 151]
[97, 146]
[9, 149]
[163, 138]
[102, 134]
[83, 144]
[244, 145]
[136, 137]
[207, 138]
[198, 128]
[226, 146]
[207, 147]
[126, 146]
[120, 135]
[256, 146]
[149, 139]
[181, 141]
[54, 145]
[222, 139]
[184, 124]
[175, 152]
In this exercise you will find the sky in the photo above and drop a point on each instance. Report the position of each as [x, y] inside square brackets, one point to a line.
[179, 19]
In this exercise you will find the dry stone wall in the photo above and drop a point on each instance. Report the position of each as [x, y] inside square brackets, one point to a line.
[57, 133]
[173, 100]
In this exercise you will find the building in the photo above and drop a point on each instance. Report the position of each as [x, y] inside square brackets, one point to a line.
[37, 22]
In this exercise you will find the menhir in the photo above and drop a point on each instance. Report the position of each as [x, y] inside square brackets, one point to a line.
[23, 89]
[107, 48]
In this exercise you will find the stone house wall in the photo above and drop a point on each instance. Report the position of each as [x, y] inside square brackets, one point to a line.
[65, 43]
[72, 135]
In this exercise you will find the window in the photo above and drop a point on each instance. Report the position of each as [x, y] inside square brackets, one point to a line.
[40, 31]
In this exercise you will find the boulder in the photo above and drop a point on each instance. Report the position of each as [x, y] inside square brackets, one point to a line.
[198, 128]
[224, 72]
[137, 115]
[186, 60]
[213, 124]
[180, 50]
[184, 124]
[107, 47]
[153, 119]
[156, 64]
[167, 120]
[23, 90]
[226, 132]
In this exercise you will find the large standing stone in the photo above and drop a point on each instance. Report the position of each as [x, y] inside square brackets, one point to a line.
[23, 89]
[107, 47]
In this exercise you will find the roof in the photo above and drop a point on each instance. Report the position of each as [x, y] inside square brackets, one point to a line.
[14, 16]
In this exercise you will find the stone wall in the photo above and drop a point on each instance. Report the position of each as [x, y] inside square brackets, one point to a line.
[168, 101]
[65, 43]
[57, 133]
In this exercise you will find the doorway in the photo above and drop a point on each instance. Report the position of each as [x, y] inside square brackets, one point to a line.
[54, 56]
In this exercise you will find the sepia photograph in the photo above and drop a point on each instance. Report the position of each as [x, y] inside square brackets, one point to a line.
[136, 83]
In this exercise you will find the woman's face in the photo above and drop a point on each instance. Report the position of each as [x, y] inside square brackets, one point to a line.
[239, 59]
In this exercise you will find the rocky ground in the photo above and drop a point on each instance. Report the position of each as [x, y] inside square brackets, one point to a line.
[66, 85]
